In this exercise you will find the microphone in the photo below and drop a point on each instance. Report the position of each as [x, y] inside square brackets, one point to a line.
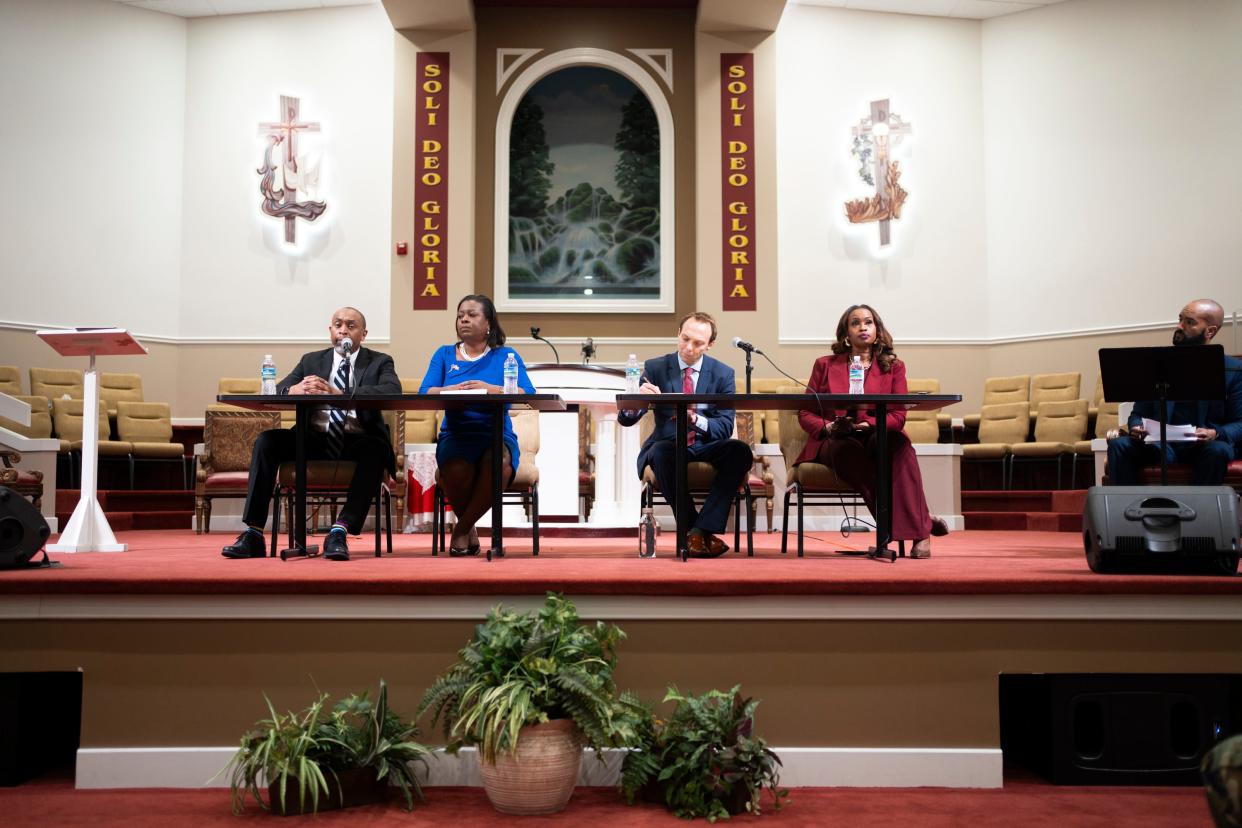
[738, 342]
[588, 350]
[344, 346]
[534, 332]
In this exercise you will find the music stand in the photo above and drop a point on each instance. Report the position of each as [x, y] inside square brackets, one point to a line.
[88, 529]
[1162, 374]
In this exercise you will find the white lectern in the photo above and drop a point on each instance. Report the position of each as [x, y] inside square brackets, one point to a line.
[88, 529]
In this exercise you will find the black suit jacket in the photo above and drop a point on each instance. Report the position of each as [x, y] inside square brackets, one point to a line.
[374, 373]
[717, 423]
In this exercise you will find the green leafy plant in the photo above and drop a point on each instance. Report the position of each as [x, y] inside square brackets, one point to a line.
[528, 668]
[704, 760]
[309, 747]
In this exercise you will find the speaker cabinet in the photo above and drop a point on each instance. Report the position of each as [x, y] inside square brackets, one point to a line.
[1178, 529]
[23, 531]
[1116, 729]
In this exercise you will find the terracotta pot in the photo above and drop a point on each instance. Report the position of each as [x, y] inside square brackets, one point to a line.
[540, 777]
[358, 786]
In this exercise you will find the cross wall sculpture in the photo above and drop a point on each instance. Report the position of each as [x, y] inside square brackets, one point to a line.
[884, 130]
[282, 202]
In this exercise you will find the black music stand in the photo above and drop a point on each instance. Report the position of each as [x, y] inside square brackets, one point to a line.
[1161, 374]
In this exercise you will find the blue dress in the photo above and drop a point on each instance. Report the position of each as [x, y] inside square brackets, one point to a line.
[466, 433]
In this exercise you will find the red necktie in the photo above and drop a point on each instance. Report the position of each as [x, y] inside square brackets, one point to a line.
[687, 387]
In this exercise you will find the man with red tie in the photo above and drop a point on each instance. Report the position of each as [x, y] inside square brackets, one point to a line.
[360, 437]
[709, 440]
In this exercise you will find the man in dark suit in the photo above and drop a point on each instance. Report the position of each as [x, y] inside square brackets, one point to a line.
[710, 435]
[360, 437]
[1218, 423]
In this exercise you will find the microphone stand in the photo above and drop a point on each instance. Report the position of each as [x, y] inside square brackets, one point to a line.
[749, 369]
[534, 332]
[588, 351]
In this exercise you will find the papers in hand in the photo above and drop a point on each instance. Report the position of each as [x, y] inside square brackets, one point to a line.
[1173, 433]
[463, 391]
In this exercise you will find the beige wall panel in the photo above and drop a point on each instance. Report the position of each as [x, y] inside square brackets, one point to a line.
[882, 684]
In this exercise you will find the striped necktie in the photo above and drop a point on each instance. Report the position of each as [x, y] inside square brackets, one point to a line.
[687, 387]
[336, 416]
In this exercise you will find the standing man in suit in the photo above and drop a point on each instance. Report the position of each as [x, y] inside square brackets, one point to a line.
[1218, 423]
[690, 370]
[358, 437]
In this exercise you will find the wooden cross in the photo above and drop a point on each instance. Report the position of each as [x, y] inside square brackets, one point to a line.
[287, 130]
[886, 131]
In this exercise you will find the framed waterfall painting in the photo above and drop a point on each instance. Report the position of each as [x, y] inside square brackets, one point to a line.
[584, 188]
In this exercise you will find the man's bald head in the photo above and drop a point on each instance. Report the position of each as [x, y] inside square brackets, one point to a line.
[1198, 322]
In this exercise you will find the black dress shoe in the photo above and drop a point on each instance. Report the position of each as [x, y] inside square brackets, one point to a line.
[455, 552]
[248, 545]
[335, 548]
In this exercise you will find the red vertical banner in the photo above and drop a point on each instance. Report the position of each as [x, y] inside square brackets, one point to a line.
[737, 153]
[431, 182]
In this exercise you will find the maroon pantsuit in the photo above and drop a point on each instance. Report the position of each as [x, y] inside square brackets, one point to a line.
[854, 460]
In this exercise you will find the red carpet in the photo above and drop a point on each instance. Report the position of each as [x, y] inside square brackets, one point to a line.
[179, 562]
[1021, 804]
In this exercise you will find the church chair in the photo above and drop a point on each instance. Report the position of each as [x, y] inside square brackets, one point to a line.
[224, 466]
[999, 390]
[1053, 388]
[1000, 426]
[40, 418]
[147, 427]
[1096, 400]
[26, 482]
[923, 426]
[327, 481]
[57, 383]
[523, 488]
[1059, 425]
[420, 426]
[246, 385]
[1106, 419]
[809, 483]
[115, 388]
[67, 417]
[10, 380]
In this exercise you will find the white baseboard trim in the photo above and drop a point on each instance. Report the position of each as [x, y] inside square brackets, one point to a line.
[803, 767]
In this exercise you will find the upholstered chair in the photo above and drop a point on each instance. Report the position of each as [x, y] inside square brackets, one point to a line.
[147, 427]
[1058, 427]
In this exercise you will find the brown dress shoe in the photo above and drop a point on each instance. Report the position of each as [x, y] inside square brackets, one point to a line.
[698, 545]
[715, 545]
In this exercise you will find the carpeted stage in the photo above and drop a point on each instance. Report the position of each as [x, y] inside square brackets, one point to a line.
[165, 562]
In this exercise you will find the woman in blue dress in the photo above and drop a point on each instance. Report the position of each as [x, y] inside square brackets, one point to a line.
[464, 447]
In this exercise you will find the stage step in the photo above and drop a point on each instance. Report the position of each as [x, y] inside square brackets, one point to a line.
[1020, 510]
[134, 509]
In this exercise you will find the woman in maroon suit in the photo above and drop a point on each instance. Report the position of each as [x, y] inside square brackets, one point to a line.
[847, 445]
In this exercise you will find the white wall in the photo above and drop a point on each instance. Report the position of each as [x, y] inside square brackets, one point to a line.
[1113, 174]
[831, 63]
[92, 112]
[237, 276]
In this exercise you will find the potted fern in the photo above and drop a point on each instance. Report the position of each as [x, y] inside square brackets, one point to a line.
[704, 760]
[529, 691]
[348, 756]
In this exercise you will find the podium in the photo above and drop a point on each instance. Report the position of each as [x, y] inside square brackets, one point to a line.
[88, 529]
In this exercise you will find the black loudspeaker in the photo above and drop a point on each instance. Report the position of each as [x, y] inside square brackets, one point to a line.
[1177, 529]
[1115, 729]
[23, 531]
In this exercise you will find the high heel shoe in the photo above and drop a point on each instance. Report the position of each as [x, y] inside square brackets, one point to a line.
[921, 548]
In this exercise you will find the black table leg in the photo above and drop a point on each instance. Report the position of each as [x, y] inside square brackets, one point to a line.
[883, 489]
[679, 464]
[299, 549]
[498, 450]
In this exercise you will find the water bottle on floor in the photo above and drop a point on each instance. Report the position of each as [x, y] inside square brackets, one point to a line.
[857, 375]
[267, 375]
[511, 374]
[647, 535]
[633, 375]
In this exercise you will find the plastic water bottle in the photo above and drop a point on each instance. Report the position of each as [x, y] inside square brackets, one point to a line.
[633, 375]
[267, 375]
[647, 535]
[856, 375]
[511, 374]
